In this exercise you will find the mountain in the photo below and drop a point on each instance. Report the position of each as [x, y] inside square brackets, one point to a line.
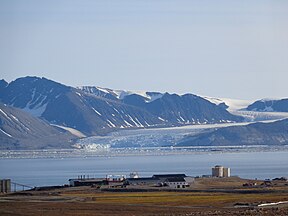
[98, 111]
[171, 108]
[231, 105]
[275, 133]
[74, 108]
[20, 130]
[3, 84]
[269, 105]
[183, 109]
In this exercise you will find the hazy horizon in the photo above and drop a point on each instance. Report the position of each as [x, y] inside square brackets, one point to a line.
[226, 49]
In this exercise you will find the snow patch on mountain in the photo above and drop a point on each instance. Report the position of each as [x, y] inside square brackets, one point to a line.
[110, 123]
[121, 94]
[149, 96]
[233, 104]
[5, 114]
[71, 130]
[127, 123]
[268, 109]
[269, 99]
[103, 90]
[36, 111]
[98, 113]
[7, 134]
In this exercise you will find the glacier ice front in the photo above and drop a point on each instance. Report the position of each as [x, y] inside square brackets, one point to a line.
[93, 147]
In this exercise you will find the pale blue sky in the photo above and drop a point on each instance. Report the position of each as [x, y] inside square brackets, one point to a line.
[223, 48]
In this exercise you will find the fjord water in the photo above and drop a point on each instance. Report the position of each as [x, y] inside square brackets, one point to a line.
[57, 171]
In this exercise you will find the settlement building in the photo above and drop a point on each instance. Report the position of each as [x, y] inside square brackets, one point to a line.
[142, 181]
[177, 182]
[162, 179]
[170, 180]
[220, 171]
[87, 182]
[5, 185]
[115, 178]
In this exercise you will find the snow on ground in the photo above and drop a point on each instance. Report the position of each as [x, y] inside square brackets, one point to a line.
[71, 130]
[273, 203]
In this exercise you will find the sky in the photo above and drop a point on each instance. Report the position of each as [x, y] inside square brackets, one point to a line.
[224, 48]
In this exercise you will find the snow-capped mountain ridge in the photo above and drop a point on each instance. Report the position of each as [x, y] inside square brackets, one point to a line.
[89, 110]
[97, 111]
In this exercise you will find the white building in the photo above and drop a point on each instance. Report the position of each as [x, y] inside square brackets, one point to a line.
[134, 175]
[115, 178]
[176, 183]
[226, 172]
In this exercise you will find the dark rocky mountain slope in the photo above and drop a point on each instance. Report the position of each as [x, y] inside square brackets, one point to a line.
[97, 111]
[20, 130]
[269, 105]
[171, 108]
[189, 109]
[71, 107]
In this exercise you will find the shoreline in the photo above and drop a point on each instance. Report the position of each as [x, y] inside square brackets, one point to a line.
[147, 151]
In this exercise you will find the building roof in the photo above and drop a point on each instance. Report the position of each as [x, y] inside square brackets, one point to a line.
[175, 179]
[87, 180]
[140, 179]
[169, 176]
[218, 166]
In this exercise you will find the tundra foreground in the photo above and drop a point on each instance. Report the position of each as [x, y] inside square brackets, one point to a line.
[206, 197]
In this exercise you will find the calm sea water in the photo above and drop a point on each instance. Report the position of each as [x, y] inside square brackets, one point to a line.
[57, 171]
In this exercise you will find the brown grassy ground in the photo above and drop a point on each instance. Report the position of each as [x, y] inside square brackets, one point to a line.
[206, 197]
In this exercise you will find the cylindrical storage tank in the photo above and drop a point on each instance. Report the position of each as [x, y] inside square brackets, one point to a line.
[1, 186]
[217, 171]
[7, 185]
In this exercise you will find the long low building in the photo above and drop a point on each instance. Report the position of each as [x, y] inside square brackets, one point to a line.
[87, 182]
[165, 176]
[171, 180]
[142, 181]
